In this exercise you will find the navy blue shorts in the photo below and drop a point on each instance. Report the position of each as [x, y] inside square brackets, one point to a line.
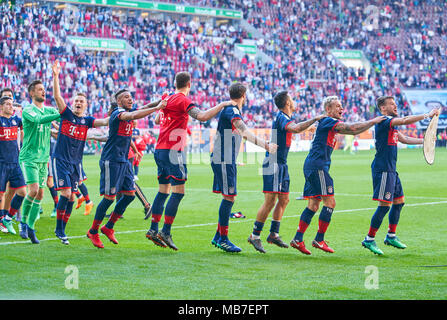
[65, 174]
[11, 172]
[225, 178]
[115, 177]
[387, 186]
[276, 177]
[318, 184]
[171, 166]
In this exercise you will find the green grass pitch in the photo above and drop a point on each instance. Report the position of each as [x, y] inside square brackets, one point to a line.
[137, 269]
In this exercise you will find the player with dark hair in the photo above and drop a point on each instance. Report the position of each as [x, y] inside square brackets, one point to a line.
[34, 155]
[276, 173]
[9, 160]
[68, 151]
[170, 157]
[386, 183]
[230, 131]
[5, 198]
[319, 185]
[116, 172]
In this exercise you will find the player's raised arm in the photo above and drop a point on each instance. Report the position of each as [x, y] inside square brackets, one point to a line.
[356, 128]
[56, 88]
[412, 119]
[203, 116]
[297, 127]
[141, 113]
[247, 134]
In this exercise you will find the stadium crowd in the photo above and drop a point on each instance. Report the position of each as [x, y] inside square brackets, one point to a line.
[298, 35]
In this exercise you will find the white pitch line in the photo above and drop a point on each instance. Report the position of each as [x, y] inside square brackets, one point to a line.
[232, 221]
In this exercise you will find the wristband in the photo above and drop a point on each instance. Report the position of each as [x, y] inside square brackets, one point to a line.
[426, 116]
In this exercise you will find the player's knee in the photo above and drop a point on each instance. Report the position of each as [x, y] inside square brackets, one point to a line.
[21, 192]
[283, 202]
[329, 202]
[66, 193]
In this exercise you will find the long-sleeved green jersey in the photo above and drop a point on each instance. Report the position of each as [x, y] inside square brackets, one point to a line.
[37, 131]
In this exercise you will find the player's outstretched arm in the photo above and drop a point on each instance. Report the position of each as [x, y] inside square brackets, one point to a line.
[141, 113]
[203, 116]
[31, 116]
[56, 88]
[101, 122]
[356, 128]
[246, 133]
[408, 140]
[302, 126]
[412, 119]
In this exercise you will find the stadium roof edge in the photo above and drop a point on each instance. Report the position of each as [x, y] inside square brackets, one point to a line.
[160, 7]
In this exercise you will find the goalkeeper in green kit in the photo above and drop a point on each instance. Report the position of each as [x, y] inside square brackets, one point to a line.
[34, 155]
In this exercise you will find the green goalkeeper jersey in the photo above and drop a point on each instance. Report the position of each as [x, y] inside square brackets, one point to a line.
[36, 133]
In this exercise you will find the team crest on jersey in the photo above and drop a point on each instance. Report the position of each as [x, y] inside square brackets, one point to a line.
[330, 189]
[231, 189]
[61, 182]
[13, 122]
[83, 121]
[236, 110]
[387, 195]
[113, 190]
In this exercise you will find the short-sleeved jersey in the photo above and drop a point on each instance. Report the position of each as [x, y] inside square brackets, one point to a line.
[37, 131]
[72, 136]
[227, 141]
[174, 122]
[9, 148]
[117, 146]
[386, 139]
[281, 137]
[323, 144]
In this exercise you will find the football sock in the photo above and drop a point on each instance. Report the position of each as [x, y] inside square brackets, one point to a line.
[140, 195]
[120, 207]
[67, 214]
[33, 213]
[323, 222]
[171, 211]
[305, 219]
[84, 191]
[101, 211]
[377, 219]
[78, 194]
[224, 218]
[274, 227]
[394, 218]
[26, 207]
[53, 193]
[157, 209]
[136, 169]
[3, 213]
[257, 229]
[60, 211]
[16, 203]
